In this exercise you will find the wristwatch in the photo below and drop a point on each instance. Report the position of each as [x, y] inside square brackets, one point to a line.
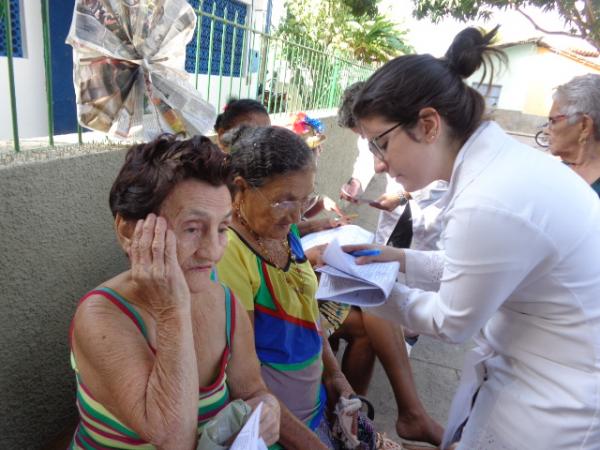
[404, 197]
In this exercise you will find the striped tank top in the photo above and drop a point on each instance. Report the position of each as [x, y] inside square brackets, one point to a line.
[100, 429]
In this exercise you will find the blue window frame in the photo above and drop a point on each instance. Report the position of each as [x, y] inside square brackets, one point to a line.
[229, 53]
[15, 20]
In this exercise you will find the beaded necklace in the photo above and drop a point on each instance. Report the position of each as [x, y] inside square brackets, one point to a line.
[298, 287]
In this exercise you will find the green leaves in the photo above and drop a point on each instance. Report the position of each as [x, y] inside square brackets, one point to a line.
[349, 27]
[580, 17]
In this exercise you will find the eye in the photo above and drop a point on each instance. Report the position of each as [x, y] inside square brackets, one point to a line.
[191, 230]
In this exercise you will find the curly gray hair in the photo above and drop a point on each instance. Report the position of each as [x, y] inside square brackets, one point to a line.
[581, 95]
[260, 153]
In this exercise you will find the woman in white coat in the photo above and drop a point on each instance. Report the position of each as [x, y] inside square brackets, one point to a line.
[520, 270]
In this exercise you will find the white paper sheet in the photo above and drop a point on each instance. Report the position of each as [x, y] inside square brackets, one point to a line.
[346, 235]
[249, 437]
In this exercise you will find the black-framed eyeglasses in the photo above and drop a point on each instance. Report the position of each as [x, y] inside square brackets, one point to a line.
[376, 148]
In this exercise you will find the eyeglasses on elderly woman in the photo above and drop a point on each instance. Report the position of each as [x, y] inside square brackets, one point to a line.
[553, 120]
[286, 206]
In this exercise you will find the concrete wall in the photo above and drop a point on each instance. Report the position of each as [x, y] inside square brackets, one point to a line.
[57, 243]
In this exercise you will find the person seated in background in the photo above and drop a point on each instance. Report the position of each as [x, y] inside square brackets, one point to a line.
[265, 266]
[253, 113]
[159, 349]
[574, 127]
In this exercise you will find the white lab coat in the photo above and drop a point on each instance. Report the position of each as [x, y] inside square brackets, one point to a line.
[424, 204]
[521, 273]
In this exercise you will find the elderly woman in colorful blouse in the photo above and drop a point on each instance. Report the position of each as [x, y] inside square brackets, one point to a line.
[574, 127]
[265, 266]
[159, 349]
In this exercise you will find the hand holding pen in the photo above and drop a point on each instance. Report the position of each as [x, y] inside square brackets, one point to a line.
[370, 253]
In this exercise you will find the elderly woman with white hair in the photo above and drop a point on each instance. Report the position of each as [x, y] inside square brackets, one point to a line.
[574, 127]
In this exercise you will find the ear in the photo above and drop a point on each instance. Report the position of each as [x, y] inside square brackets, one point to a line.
[429, 124]
[124, 229]
[587, 127]
[241, 184]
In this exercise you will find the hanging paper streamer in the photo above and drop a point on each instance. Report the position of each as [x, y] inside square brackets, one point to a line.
[129, 57]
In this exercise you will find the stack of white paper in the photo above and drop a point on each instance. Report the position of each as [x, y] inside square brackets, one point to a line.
[344, 281]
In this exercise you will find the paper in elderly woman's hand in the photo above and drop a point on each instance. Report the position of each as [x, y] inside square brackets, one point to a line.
[128, 68]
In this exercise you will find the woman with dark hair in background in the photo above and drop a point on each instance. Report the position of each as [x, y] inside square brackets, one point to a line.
[574, 127]
[160, 349]
[520, 270]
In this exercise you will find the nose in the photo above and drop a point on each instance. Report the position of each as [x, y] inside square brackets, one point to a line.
[379, 165]
[209, 248]
[295, 215]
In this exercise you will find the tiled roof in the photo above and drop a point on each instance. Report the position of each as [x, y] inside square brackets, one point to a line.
[587, 57]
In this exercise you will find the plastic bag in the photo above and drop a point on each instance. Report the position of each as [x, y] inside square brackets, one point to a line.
[221, 428]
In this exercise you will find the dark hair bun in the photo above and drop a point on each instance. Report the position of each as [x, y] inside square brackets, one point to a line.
[468, 51]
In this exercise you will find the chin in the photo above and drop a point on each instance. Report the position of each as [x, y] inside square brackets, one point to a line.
[280, 231]
[197, 282]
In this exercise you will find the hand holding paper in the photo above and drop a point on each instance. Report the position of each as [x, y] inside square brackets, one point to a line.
[344, 280]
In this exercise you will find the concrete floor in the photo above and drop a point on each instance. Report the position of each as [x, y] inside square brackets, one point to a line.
[436, 368]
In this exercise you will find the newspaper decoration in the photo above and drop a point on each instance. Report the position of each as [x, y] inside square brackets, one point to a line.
[129, 59]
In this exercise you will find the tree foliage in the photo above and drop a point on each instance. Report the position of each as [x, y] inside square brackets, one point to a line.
[352, 27]
[581, 16]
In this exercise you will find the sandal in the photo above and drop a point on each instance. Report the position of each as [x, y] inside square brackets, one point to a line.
[382, 442]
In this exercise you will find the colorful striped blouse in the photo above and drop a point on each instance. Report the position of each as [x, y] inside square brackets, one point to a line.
[286, 323]
[99, 429]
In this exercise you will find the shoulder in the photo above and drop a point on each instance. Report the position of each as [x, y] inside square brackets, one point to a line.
[100, 323]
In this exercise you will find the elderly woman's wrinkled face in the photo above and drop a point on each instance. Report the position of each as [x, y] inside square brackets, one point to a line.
[199, 215]
[563, 135]
[272, 208]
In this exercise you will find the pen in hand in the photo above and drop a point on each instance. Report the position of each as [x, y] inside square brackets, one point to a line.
[366, 252]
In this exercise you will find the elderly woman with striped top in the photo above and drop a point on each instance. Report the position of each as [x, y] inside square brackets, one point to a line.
[159, 349]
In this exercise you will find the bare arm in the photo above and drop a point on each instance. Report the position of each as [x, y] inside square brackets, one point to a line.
[335, 381]
[244, 379]
[156, 395]
[293, 434]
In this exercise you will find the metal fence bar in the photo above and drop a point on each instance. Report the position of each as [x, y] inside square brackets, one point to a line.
[48, 70]
[247, 59]
[232, 62]
[198, 42]
[222, 58]
[11, 75]
[210, 51]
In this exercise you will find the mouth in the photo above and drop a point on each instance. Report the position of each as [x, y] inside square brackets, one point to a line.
[200, 268]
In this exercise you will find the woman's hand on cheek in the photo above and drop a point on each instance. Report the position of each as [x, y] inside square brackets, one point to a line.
[155, 268]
